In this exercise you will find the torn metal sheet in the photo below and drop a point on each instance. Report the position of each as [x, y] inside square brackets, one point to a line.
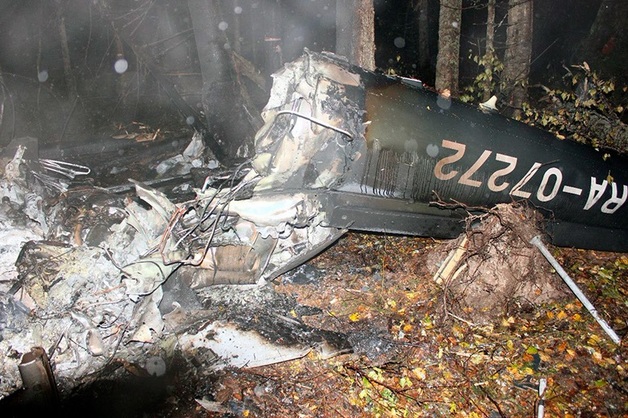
[102, 276]
[113, 277]
[343, 148]
[385, 154]
[234, 347]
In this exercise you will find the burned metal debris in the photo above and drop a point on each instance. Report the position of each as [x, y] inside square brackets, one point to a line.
[96, 273]
[100, 274]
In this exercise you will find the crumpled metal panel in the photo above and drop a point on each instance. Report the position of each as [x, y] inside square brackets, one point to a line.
[417, 154]
[276, 217]
[343, 148]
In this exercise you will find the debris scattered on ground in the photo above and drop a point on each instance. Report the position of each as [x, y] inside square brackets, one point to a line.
[134, 282]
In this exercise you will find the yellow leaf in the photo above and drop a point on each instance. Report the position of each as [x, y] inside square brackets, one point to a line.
[593, 340]
[354, 317]
[544, 356]
[478, 359]
[577, 317]
[532, 350]
[457, 331]
[405, 382]
[508, 321]
[550, 315]
[527, 371]
[391, 303]
[420, 373]
[510, 345]
[561, 315]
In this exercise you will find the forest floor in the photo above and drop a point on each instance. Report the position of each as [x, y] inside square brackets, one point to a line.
[476, 341]
[426, 350]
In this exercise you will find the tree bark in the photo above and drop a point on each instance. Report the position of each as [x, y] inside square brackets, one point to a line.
[448, 59]
[355, 32]
[273, 41]
[424, 45]
[518, 53]
[226, 119]
[65, 52]
[489, 46]
[607, 37]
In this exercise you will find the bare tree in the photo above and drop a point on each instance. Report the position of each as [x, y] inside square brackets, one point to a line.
[424, 47]
[489, 54]
[448, 58]
[228, 126]
[65, 51]
[518, 53]
[355, 32]
[607, 37]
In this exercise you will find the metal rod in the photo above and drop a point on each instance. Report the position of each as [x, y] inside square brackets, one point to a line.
[316, 121]
[536, 241]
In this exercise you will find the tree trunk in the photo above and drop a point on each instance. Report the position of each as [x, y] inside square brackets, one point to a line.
[226, 119]
[237, 33]
[424, 45]
[355, 32]
[489, 54]
[273, 41]
[448, 59]
[65, 52]
[607, 38]
[518, 53]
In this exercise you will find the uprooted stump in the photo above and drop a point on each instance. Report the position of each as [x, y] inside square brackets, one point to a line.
[493, 271]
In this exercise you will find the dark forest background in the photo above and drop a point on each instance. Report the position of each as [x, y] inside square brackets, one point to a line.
[58, 58]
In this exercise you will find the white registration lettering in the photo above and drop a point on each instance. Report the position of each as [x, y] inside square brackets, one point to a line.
[615, 202]
[516, 191]
[595, 192]
[438, 168]
[466, 177]
[572, 190]
[502, 172]
[552, 172]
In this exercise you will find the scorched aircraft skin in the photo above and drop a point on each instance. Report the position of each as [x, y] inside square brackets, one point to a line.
[399, 147]
[342, 148]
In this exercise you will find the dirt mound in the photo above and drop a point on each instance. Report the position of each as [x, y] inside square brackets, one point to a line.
[493, 270]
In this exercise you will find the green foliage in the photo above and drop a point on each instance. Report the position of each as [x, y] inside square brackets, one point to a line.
[589, 110]
[487, 80]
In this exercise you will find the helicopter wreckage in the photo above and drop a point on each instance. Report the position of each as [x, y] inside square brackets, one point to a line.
[137, 270]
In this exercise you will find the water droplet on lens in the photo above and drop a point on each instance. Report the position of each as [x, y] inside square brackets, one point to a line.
[42, 76]
[432, 150]
[399, 42]
[121, 66]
